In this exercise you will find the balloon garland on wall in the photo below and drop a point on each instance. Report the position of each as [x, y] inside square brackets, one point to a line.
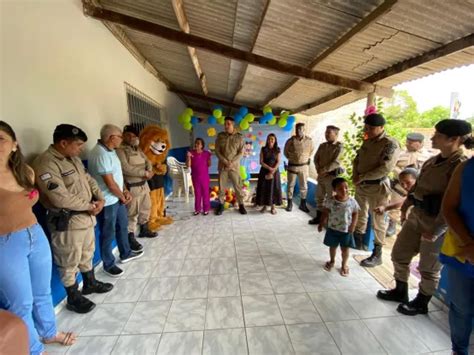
[242, 118]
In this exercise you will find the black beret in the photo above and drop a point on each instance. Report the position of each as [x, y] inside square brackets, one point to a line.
[333, 128]
[131, 128]
[68, 131]
[453, 128]
[374, 120]
[229, 118]
[414, 136]
[410, 171]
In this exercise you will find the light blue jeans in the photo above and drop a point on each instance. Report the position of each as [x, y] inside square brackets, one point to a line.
[25, 282]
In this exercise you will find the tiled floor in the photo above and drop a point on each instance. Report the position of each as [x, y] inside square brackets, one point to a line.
[246, 285]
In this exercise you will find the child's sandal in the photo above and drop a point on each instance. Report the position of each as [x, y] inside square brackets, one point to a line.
[344, 271]
[328, 266]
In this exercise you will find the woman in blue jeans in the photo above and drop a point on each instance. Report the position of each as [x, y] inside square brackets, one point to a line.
[457, 252]
[25, 256]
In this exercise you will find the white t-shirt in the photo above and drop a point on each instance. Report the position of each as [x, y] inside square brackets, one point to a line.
[340, 213]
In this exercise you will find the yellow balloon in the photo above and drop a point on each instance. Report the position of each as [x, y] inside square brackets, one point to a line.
[188, 112]
[249, 117]
[221, 120]
[186, 119]
[217, 113]
[272, 121]
[284, 115]
[244, 125]
[187, 126]
[282, 122]
[211, 132]
[267, 109]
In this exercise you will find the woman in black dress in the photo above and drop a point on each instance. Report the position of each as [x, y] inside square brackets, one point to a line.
[269, 186]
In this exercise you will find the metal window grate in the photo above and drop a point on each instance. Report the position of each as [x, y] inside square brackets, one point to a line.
[143, 110]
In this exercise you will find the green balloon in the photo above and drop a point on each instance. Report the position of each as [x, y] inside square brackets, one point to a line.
[187, 126]
[217, 113]
[284, 115]
[272, 121]
[221, 120]
[267, 109]
[249, 117]
[188, 112]
[244, 125]
[282, 122]
[186, 119]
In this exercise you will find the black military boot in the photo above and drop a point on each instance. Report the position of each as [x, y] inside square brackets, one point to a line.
[317, 219]
[398, 294]
[76, 302]
[359, 241]
[242, 209]
[419, 305]
[303, 206]
[375, 259]
[134, 244]
[145, 232]
[289, 207]
[220, 209]
[91, 285]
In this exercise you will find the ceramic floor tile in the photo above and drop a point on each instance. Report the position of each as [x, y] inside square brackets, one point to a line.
[186, 315]
[429, 331]
[395, 336]
[367, 305]
[223, 251]
[191, 287]
[224, 285]
[309, 339]
[183, 343]
[255, 284]
[333, 306]
[139, 270]
[223, 266]
[137, 344]
[195, 267]
[168, 268]
[108, 319]
[261, 310]
[297, 308]
[151, 254]
[249, 264]
[68, 321]
[315, 281]
[303, 262]
[277, 263]
[225, 341]
[126, 290]
[147, 317]
[285, 282]
[177, 251]
[162, 288]
[224, 312]
[199, 251]
[353, 337]
[269, 340]
[93, 345]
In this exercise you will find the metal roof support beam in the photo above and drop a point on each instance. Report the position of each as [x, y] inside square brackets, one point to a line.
[360, 26]
[178, 8]
[434, 54]
[224, 50]
[213, 99]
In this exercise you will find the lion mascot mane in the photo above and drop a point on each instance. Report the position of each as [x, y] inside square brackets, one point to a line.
[155, 143]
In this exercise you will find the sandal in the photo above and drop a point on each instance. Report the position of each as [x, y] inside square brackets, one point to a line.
[273, 211]
[205, 213]
[328, 266]
[63, 338]
[196, 213]
[344, 271]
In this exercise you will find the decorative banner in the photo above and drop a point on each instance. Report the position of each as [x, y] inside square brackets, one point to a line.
[211, 132]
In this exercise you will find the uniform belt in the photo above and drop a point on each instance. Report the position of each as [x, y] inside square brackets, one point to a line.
[301, 164]
[135, 184]
[372, 182]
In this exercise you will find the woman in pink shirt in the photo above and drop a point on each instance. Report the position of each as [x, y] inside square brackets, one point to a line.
[199, 160]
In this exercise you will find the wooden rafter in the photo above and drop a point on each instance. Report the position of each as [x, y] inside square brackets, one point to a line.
[224, 50]
[434, 54]
[213, 99]
[360, 26]
[178, 8]
[244, 70]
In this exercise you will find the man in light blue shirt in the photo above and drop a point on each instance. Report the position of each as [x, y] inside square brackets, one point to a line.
[105, 167]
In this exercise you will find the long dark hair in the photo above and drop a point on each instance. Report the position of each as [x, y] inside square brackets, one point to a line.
[275, 146]
[16, 161]
[202, 142]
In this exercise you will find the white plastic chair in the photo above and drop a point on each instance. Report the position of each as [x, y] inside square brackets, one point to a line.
[181, 176]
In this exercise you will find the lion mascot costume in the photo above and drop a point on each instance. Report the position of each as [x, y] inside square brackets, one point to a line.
[155, 143]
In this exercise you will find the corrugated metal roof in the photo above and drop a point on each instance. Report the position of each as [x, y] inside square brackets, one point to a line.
[296, 32]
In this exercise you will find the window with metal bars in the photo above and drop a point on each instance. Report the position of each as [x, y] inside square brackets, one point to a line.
[143, 110]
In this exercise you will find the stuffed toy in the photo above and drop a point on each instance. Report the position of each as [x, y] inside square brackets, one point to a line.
[154, 142]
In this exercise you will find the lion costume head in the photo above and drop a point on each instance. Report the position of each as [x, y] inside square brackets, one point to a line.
[155, 143]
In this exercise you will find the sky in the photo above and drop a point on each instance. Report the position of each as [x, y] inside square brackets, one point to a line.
[436, 90]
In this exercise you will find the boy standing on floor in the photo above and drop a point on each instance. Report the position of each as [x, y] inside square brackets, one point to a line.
[339, 217]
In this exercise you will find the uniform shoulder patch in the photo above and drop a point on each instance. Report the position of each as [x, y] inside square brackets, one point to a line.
[389, 150]
[45, 176]
[52, 186]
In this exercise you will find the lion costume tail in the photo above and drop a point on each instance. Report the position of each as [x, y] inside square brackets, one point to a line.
[157, 215]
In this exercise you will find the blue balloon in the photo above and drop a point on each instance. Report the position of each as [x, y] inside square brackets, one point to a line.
[291, 119]
[289, 126]
[194, 120]
[268, 116]
[238, 118]
[243, 111]
[211, 120]
[262, 120]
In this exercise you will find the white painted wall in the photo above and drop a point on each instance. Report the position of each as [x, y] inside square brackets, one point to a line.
[58, 66]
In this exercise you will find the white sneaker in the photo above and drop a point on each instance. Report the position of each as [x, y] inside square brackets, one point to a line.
[133, 256]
